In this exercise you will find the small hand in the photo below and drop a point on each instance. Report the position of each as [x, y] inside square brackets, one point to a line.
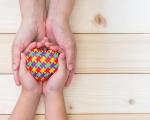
[60, 33]
[27, 81]
[57, 81]
[30, 93]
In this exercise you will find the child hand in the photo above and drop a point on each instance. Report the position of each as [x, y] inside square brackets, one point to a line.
[27, 81]
[57, 81]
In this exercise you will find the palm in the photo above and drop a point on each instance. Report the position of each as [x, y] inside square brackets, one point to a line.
[58, 79]
[30, 82]
[26, 79]
[25, 35]
[61, 35]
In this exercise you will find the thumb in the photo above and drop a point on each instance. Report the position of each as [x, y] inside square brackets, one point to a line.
[62, 63]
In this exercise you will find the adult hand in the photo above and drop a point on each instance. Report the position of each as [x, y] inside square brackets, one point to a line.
[26, 34]
[32, 28]
[59, 32]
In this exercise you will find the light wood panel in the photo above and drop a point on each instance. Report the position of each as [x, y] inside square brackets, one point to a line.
[91, 16]
[98, 53]
[92, 93]
[96, 117]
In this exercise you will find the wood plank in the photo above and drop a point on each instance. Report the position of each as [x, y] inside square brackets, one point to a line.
[96, 117]
[92, 93]
[91, 16]
[99, 53]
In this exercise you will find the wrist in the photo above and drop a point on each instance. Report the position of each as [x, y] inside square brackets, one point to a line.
[33, 11]
[36, 92]
[61, 8]
[52, 94]
[59, 11]
[57, 20]
[52, 91]
[33, 21]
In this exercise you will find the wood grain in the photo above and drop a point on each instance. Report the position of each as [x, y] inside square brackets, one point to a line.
[96, 117]
[92, 93]
[91, 16]
[98, 53]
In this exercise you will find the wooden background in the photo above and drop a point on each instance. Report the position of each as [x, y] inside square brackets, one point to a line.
[112, 80]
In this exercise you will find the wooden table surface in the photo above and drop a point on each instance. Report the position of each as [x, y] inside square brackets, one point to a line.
[112, 80]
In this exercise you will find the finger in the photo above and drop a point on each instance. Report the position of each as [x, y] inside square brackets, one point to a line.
[53, 41]
[16, 77]
[56, 48]
[23, 63]
[40, 44]
[62, 69]
[48, 44]
[31, 47]
[53, 47]
[45, 40]
[15, 63]
[15, 57]
[70, 56]
[70, 77]
[71, 60]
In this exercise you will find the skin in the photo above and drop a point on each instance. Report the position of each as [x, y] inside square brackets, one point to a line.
[53, 92]
[35, 26]
[58, 31]
[32, 90]
[53, 88]
[32, 28]
[30, 94]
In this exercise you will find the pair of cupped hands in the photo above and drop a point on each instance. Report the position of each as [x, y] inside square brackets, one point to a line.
[55, 83]
[31, 35]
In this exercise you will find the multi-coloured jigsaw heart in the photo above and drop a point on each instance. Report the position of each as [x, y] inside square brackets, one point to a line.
[42, 63]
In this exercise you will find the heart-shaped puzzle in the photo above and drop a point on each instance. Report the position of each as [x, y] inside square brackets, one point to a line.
[42, 63]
